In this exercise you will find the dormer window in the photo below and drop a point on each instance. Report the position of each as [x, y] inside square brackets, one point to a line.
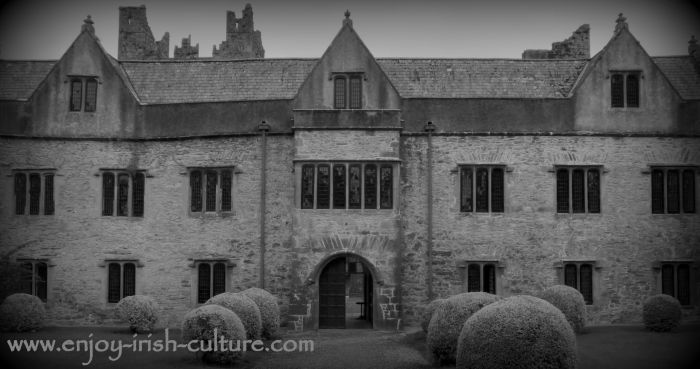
[347, 91]
[83, 94]
[624, 89]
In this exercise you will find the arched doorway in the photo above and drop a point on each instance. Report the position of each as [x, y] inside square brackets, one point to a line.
[346, 293]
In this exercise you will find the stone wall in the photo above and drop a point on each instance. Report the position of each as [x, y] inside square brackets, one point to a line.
[136, 41]
[578, 46]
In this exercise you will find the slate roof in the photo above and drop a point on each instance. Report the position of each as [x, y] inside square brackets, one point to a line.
[171, 82]
[482, 78]
[19, 78]
[682, 74]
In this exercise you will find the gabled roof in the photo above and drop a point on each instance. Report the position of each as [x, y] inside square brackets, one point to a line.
[482, 78]
[19, 78]
[171, 82]
[682, 73]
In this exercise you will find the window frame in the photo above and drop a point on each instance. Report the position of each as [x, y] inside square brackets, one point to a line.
[595, 273]
[121, 280]
[489, 186]
[586, 190]
[681, 193]
[132, 210]
[692, 278]
[85, 102]
[350, 101]
[46, 199]
[219, 191]
[625, 92]
[303, 190]
[35, 263]
[498, 267]
[195, 265]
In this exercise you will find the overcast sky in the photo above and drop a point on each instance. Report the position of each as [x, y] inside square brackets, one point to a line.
[43, 29]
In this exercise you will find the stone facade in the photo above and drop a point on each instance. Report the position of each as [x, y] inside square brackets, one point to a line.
[268, 121]
[242, 40]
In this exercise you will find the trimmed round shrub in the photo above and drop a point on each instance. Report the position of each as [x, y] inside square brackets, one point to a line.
[140, 311]
[244, 307]
[427, 313]
[522, 332]
[570, 301]
[269, 310]
[22, 312]
[661, 313]
[447, 322]
[199, 324]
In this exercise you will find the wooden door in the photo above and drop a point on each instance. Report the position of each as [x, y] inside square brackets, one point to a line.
[331, 292]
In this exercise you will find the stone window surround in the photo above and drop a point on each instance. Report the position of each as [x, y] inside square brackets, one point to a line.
[83, 79]
[601, 182]
[49, 272]
[597, 267]
[235, 171]
[43, 172]
[131, 173]
[648, 171]
[105, 276]
[193, 264]
[463, 264]
[694, 266]
[490, 167]
[362, 76]
[625, 72]
[455, 171]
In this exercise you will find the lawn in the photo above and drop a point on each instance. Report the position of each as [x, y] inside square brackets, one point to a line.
[616, 347]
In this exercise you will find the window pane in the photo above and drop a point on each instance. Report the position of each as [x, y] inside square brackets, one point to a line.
[688, 191]
[667, 280]
[339, 88]
[497, 190]
[577, 188]
[138, 194]
[593, 191]
[370, 186]
[129, 279]
[40, 279]
[34, 193]
[212, 179]
[90, 95]
[571, 276]
[354, 187]
[113, 287]
[386, 187]
[490, 278]
[587, 283]
[219, 279]
[482, 189]
[195, 191]
[683, 284]
[26, 276]
[632, 91]
[76, 95]
[673, 192]
[107, 193]
[48, 195]
[339, 186]
[657, 191]
[203, 283]
[307, 186]
[473, 278]
[323, 199]
[355, 93]
[226, 186]
[466, 193]
[20, 193]
[617, 91]
[123, 194]
[562, 191]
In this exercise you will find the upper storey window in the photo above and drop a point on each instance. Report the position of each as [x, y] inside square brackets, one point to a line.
[347, 91]
[624, 89]
[83, 94]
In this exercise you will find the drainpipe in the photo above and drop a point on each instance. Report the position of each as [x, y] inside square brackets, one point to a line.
[264, 128]
[430, 128]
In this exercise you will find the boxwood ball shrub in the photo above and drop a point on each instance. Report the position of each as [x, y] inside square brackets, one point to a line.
[427, 313]
[661, 313]
[269, 310]
[244, 307]
[22, 312]
[520, 332]
[570, 301]
[199, 324]
[447, 322]
[140, 311]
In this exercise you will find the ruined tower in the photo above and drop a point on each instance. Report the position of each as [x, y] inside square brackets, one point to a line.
[186, 51]
[242, 40]
[136, 40]
[575, 47]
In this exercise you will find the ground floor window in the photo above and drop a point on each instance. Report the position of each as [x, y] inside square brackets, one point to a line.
[121, 280]
[675, 280]
[34, 278]
[211, 279]
[480, 276]
[579, 275]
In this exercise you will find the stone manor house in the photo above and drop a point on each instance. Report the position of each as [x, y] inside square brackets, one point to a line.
[354, 188]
